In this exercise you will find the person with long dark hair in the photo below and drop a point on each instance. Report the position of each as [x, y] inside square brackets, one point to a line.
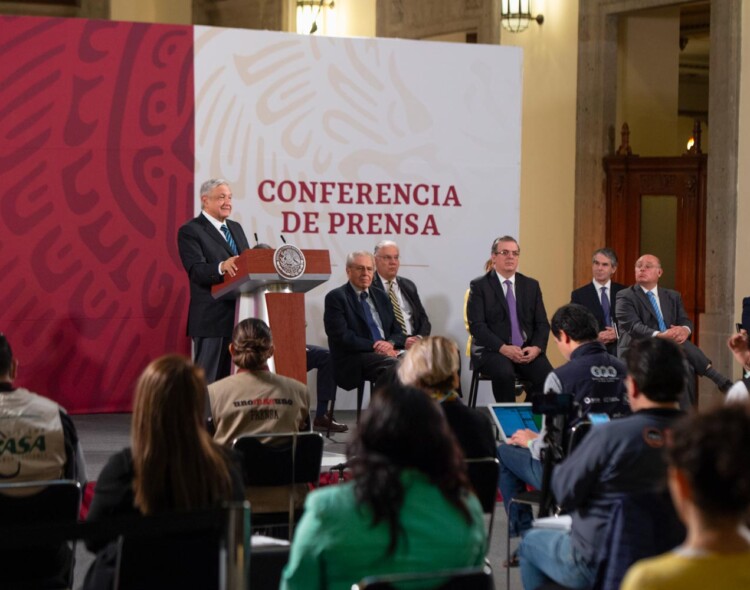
[172, 464]
[408, 508]
[709, 479]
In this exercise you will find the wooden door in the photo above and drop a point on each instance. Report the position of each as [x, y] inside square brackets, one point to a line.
[657, 205]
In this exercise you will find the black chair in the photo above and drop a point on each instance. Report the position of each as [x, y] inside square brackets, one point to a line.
[458, 579]
[477, 376]
[207, 549]
[483, 477]
[266, 566]
[360, 399]
[49, 564]
[576, 434]
[280, 460]
[641, 525]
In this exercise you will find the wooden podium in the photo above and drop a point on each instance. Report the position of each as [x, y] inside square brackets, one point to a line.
[263, 293]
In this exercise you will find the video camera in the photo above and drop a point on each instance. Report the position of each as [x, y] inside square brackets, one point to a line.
[552, 404]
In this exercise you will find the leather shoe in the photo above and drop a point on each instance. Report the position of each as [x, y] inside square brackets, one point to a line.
[322, 423]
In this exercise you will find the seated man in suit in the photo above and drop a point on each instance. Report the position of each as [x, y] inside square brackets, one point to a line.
[599, 296]
[407, 307]
[363, 334]
[209, 246]
[508, 324]
[646, 310]
[619, 457]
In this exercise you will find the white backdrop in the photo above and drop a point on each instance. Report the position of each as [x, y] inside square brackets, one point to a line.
[358, 115]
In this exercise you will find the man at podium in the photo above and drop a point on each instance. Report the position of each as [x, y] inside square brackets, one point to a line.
[209, 246]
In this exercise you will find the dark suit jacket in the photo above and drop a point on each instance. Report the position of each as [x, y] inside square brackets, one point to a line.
[636, 317]
[420, 321]
[589, 298]
[489, 319]
[349, 335]
[202, 247]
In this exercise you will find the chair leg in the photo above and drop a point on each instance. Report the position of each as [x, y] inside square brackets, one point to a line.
[360, 397]
[330, 417]
[473, 389]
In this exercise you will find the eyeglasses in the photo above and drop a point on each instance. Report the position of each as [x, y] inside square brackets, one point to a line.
[388, 258]
[514, 253]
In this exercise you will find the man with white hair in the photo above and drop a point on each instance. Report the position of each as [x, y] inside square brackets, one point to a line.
[402, 293]
[209, 246]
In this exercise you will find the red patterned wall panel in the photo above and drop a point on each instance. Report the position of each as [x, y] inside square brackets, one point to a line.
[96, 175]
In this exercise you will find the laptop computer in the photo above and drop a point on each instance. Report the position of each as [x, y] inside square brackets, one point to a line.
[514, 416]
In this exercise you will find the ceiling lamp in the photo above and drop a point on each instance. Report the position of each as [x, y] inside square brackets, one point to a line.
[516, 14]
[316, 16]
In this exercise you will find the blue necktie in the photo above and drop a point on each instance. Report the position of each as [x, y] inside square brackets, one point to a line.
[659, 317]
[374, 330]
[230, 239]
[605, 308]
[516, 338]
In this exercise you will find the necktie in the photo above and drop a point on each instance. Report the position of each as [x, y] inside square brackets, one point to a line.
[605, 308]
[515, 329]
[230, 239]
[396, 307]
[374, 330]
[659, 317]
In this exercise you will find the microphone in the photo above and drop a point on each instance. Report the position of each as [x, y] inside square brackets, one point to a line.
[282, 238]
[256, 237]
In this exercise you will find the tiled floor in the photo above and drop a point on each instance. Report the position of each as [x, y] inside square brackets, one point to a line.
[103, 434]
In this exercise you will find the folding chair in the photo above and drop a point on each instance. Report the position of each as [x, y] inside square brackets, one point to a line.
[483, 475]
[458, 579]
[280, 460]
[207, 549]
[50, 564]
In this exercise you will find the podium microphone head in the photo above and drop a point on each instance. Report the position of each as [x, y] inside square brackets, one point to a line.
[255, 235]
[282, 238]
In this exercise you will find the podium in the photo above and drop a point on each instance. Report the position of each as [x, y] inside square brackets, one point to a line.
[265, 290]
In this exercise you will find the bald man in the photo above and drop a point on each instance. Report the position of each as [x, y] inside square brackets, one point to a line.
[646, 310]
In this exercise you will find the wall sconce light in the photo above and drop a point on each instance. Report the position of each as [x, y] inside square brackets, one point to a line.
[316, 15]
[516, 14]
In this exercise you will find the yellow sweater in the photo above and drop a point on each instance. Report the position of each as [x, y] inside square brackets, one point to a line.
[681, 571]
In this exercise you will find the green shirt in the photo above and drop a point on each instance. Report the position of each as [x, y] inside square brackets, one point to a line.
[336, 545]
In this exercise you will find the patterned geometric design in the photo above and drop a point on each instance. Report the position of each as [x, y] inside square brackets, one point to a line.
[96, 161]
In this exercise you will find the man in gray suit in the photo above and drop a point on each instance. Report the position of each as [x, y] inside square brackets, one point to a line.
[646, 310]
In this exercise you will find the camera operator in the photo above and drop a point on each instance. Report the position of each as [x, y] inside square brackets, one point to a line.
[622, 456]
[595, 380]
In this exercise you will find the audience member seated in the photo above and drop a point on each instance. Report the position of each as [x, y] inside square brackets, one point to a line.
[39, 442]
[594, 378]
[619, 457]
[407, 509]
[50, 434]
[738, 344]
[431, 364]
[255, 400]
[709, 478]
[172, 465]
